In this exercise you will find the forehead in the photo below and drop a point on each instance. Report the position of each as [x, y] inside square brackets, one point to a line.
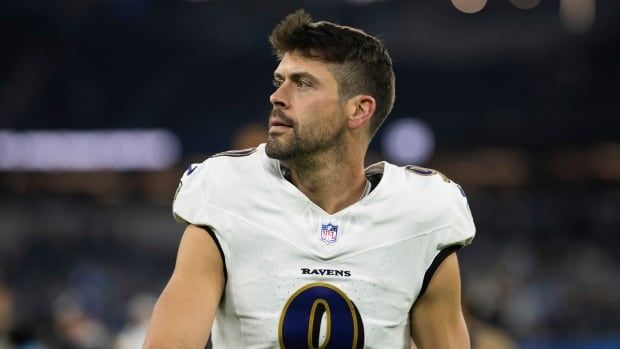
[293, 63]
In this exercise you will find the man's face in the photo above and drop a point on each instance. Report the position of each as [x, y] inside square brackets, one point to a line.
[307, 115]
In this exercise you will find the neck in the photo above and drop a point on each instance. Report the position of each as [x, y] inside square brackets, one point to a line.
[333, 180]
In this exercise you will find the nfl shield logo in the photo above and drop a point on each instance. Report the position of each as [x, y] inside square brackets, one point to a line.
[329, 233]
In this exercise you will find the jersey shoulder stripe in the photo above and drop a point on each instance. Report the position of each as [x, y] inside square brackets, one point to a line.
[235, 153]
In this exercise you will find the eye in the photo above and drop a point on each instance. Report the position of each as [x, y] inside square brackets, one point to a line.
[276, 83]
[303, 84]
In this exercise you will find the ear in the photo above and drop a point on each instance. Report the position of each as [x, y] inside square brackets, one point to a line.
[360, 109]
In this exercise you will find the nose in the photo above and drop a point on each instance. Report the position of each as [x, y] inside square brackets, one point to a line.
[278, 98]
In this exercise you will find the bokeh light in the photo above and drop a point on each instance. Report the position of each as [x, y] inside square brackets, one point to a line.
[469, 6]
[408, 141]
[577, 16]
[525, 4]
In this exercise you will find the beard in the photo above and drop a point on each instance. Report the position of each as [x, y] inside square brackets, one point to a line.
[305, 140]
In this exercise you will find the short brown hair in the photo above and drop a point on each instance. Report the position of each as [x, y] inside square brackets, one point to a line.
[365, 65]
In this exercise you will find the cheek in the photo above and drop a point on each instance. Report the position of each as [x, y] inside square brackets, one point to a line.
[319, 114]
[334, 117]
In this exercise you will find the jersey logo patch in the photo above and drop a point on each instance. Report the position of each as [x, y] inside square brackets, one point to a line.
[329, 233]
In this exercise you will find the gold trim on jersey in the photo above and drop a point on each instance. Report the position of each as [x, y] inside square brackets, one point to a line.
[352, 312]
[312, 321]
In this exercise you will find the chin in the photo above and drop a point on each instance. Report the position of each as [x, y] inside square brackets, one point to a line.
[277, 150]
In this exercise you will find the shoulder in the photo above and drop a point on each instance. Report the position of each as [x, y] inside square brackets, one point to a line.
[232, 161]
[433, 182]
[223, 167]
[431, 201]
[213, 180]
[438, 192]
[417, 184]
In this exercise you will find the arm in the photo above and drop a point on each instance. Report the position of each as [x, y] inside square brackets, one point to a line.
[184, 313]
[437, 318]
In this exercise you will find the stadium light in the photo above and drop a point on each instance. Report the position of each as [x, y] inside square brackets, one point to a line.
[577, 15]
[408, 141]
[46, 150]
[469, 6]
[525, 4]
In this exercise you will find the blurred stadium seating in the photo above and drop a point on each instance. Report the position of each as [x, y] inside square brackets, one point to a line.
[520, 99]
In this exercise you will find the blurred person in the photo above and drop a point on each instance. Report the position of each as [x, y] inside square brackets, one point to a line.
[14, 335]
[75, 327]
[293, 244]
[485, 335]
[6, 315]
[139, 310]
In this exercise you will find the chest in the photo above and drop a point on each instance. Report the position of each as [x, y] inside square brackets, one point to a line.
[284, 274]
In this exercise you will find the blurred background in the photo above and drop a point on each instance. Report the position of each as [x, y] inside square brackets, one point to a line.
[104, 103]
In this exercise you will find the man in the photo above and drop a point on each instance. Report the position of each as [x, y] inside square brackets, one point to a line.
[293, 244]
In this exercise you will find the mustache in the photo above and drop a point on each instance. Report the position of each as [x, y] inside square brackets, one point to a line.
[280, 116]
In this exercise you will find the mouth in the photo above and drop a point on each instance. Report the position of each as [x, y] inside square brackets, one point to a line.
[278, 122]
[278, 128]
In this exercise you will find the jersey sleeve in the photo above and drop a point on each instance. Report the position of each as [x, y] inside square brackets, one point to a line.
[191, 196]
[455, 225]
[453, 229]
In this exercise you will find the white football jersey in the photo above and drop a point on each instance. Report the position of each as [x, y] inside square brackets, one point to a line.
[298, 277]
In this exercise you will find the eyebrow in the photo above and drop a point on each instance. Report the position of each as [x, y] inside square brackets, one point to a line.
[297, 76]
